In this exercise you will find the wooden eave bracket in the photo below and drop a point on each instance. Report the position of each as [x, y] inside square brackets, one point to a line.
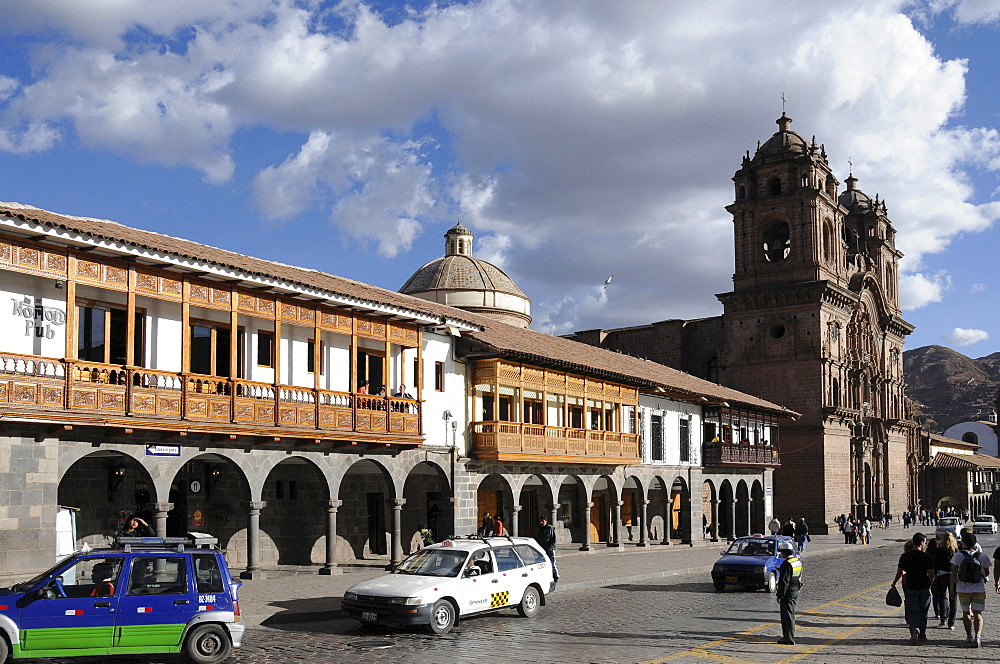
[53, 432]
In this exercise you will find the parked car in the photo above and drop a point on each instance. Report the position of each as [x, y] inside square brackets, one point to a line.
[984, 523]
[148, 595]
[441, 583]
[750, 561]
[949, 524]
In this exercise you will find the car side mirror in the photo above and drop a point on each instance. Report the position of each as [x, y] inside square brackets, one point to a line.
[473, 571]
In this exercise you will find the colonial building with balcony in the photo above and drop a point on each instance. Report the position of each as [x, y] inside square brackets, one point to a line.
[305, 418]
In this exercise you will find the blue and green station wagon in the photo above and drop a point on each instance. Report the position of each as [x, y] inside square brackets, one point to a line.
[148, 595]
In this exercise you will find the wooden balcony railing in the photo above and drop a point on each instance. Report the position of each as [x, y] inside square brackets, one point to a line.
[733, 454]
[48, 384]
[514, 440]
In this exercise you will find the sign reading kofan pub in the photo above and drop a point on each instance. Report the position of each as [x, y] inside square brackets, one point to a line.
[39, 319]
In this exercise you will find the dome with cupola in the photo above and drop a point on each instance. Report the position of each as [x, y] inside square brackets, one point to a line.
[460, 280]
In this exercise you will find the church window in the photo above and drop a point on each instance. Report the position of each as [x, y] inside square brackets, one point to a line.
[836, 393]
[742, 193]
[712, 373]
[777, 331]
[777, 242]
[970, 437]
[834, 331]
[774, 186]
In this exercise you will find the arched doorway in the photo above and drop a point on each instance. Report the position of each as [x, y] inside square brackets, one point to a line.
[218, 507]
[680, 511]
[495, 497]
[742, 509]
[570, 523]
[428, 506]
[632, 510]
[727, 511]
[107, 487]
[535, 501]
[710, 508]
[293, 521]
[364, 525]
[757, 512]
[658, 514]
[604, 498]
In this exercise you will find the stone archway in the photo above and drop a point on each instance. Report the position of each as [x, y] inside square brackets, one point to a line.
[710, 508]
[367, 512]
[742, 509]
[757, 511]
[535, 500]
[428, 506]
[107, 487]
[494, 496]
[727, 511]
[680, 511]
[293, 521]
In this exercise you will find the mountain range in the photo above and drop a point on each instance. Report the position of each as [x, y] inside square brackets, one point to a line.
[949, 387]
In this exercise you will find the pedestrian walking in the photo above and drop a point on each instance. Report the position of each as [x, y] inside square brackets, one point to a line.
[945, 601]
[546, 538]
[919, 570]
[970, 570]
[774, 525]
[487, 529]
[801, 534]
[498, 527]
[787, 591]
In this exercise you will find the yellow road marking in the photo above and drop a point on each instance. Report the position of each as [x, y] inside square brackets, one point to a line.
[749, 635]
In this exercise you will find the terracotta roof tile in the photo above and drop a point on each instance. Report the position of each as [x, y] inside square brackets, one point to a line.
[964, 461]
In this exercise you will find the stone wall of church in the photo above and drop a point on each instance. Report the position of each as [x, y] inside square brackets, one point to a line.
[29, 474]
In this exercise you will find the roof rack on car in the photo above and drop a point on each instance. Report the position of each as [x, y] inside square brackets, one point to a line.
[196, 540]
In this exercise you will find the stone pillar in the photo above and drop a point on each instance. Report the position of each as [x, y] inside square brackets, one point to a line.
[615, 533]
[515, 517]
[714, 531]
[668, 518]
[731, 508]
[642, 523]
[554, 509]
[161, 517]
[253, 541]
[330, 567]
[397, 528]
[746, 516]
[586, 526]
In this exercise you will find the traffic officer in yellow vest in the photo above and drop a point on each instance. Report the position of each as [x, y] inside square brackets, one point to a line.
[787, 592]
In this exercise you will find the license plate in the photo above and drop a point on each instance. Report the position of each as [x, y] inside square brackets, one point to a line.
[369, 616]
[731, 579]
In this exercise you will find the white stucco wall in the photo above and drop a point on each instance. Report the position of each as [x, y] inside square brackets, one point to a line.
[672, 413]
[24, 328]
[985, 434]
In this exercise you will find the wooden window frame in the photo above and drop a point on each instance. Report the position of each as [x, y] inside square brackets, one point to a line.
[261, 334]
[139, 343]
[311, 356]
[439, 376]
[214, 326]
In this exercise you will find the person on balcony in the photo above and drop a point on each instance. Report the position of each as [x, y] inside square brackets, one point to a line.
[402, 393]
[363, 387]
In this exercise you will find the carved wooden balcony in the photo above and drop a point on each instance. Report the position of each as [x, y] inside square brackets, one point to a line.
[514, 441]
[735, 454]
[35, 384]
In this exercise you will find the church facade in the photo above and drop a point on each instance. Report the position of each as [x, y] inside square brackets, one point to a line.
[813, 322]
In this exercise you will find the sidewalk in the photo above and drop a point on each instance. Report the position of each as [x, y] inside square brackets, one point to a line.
[300, 594]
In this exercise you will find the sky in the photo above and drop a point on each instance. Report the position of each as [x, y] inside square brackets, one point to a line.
[576, 139]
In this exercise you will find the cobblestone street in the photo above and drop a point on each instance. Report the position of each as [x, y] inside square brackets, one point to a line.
[842, 618]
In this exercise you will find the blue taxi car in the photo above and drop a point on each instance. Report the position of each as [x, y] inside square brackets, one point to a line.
[750, 561]
[149, 595]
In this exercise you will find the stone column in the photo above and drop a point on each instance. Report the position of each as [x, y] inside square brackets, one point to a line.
[668, 518]
[253, 541]
[714, 532]
[731, 508]
[642, 523]
[515, 517]
[397, 528]
[161, 517]
[330, 567]
[554, 509]
[586, 526]
[746, 516]
[615, 533]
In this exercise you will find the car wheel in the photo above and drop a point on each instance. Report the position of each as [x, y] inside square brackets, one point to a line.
[207, 644]
[4, 650]
[529, 603]
[442, 617]
[771, 583]
[719, 585]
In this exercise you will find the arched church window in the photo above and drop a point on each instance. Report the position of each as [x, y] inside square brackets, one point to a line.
[777, 242]
[970, 437]
[774, 186]
[836, 393]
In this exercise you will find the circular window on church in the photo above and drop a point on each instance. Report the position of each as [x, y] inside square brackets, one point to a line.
[777, 331]
[777, 242]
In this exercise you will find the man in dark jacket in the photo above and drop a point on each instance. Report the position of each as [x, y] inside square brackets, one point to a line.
[546, 538]
[801, 534]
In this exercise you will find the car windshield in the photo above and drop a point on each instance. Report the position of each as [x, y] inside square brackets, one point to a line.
[948, 521]
[27, 585]
[751, 547]
[984, 517]
[433, 562]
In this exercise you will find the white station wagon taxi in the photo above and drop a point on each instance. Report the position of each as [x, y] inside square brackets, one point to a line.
[443, 582]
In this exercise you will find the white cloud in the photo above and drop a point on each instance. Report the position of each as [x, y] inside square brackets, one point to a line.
[969, 11]
[961, 336]
[977, 288]
[378, 191]
[584, 138]
[919, 290]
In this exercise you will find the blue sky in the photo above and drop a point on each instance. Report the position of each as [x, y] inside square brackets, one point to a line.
[576, 139]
